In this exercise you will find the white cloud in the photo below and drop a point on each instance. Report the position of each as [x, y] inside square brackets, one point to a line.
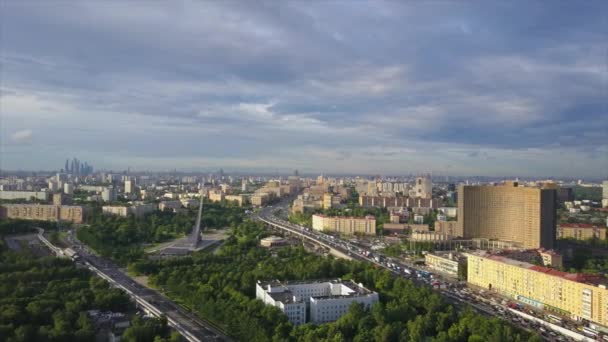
[22, 137]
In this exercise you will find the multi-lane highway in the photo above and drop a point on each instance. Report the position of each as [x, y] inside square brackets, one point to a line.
[452, 293]
[154, 303]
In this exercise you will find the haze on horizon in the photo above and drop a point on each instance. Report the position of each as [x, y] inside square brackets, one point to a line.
[475, 88]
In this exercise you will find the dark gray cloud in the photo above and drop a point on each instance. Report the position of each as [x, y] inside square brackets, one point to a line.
[450, 87]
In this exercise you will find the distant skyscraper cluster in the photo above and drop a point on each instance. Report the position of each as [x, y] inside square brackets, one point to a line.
[76, 167]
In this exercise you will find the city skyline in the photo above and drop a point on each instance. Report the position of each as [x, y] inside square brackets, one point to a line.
[513, 89]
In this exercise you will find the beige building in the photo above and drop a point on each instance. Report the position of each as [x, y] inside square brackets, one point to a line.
[189, 203]
[508, 212]
[327, 201]
[304, 202]
[169, 205]
[273, 241]
[423, 187]
[240, 199]
[580, 231]
[345, 224]
[216, 196]
[397, 201]
[429, 236]
[24, 195]
[116, 210]
[41, 212]
[551, 258]
[138, 209]
[259, 199]
[394, 228]
[446, 263]
[579, 296]
[447, 227]
[331, 200]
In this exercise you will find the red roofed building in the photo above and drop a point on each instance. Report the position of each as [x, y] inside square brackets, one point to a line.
[575, 295]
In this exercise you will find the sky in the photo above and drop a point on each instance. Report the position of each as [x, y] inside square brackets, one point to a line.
[381, 87]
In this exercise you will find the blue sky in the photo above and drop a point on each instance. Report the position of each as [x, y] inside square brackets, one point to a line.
[459, 88]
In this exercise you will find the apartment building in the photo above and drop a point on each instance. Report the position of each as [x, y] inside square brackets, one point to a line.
[578, 296]
[397, 201]
[42, 212]
[524, 215]
[447, 227]
[259, 199]
[24, 195]
[216, 195]
[239, 199]
[137, 209]
[345, 224]
[580, 231]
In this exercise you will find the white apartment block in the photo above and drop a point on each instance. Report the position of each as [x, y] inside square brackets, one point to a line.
[137, 209]
[327, 300]
[24, 195]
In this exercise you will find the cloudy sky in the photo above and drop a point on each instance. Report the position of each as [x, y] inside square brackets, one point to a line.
[459, 88]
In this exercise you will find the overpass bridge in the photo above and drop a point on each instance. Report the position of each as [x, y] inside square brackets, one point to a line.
[305, 235]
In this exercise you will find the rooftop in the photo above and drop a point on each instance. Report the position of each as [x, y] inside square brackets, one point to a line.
[579, 225]
[367, 217]
[273, 238]
[286, 296]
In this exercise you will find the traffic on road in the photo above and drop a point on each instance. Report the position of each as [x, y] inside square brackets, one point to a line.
[456, 292]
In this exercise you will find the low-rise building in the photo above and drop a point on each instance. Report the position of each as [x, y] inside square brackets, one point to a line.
[447, 263]
[394, 228]
[117, 210]
[580, 231]
[327, 300]
[429, 236]
[189, 203]
[273, 241]
[169, 205]
[345, 224]
[551, 258]
[449, 211]
[395, 218]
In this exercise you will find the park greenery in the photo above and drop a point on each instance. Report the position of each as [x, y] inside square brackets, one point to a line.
[46, 298]
[123, 238]
[587, 193]
[220, 287]
[17, 226]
